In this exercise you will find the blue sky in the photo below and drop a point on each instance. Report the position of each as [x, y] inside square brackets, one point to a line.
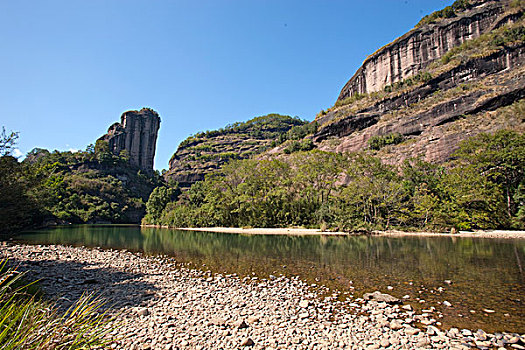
[68, 68]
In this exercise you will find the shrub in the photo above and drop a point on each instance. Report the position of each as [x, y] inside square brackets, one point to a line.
[26, 322]
[378, 142]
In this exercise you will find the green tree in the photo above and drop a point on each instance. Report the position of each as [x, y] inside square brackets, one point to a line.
[157, 202]
[7, 142]
[102, 151]
[500, 157]
[468, 200]
[17, 209]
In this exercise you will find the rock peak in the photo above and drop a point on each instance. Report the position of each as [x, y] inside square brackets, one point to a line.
[137, 134]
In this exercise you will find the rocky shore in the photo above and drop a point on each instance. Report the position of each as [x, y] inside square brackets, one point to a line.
[163, 305]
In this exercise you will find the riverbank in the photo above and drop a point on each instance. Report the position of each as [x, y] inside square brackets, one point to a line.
[304, 232]
[164, 305]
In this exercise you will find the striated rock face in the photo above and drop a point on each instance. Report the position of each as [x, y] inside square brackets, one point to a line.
[136, 134]
[436, 116]
[414, 51]
[477, 87]
[205, 152]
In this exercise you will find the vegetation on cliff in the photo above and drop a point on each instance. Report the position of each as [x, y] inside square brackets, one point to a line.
[71, 187]
[482, 187]
[448, 12]
[207, 151]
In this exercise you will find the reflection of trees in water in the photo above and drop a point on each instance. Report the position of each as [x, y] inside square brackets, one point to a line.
[486, 272]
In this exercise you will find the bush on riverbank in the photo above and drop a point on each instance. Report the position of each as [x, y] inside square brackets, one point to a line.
[27, 322]
[482, 187]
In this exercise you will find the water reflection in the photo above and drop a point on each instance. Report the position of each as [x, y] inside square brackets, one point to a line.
[485, 273]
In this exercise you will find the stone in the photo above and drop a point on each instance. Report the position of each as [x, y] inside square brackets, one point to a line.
[431, 330]
[394, 341]
[480, 335]
[422, 342]
[512, 339]
[385, 342]
[411, 331]
[137, 135]
[253, 319]
[143, 312]
[304, 315]
[466, 332]
[447, 303]
[247, 342]
[453, 332]
[381, 297]
[304, 303]
[396, 324]
[217, 321]
[241, 324]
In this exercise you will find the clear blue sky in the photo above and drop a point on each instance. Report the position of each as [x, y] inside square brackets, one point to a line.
[68, 68]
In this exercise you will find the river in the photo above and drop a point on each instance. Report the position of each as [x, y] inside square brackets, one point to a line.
[482, 279]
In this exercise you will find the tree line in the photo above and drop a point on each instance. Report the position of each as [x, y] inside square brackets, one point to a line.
[481, 187]
[69, 187]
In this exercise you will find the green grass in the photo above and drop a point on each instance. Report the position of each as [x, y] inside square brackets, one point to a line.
[28, 322]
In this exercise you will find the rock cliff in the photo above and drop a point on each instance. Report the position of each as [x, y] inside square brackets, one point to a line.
[414, 51]
[136, 134]
[205, 152]
[478, 86]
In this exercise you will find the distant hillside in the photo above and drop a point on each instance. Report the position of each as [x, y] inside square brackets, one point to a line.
[207, 151]
[92, 186]
[459, 73]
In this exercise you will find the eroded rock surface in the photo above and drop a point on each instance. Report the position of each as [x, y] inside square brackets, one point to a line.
[478, 88]
[136, 134]
[415, 50]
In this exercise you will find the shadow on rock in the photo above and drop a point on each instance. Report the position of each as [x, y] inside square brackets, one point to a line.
[66, 281]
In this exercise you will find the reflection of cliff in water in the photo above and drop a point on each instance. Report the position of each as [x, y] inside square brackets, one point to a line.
[486, 273]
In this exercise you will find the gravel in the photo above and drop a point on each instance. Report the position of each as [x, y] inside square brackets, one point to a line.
[162, 304]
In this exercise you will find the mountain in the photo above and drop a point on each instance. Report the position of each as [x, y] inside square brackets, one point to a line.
[458, 73]
[205, 152]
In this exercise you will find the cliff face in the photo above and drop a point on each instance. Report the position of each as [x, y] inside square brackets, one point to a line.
[136, 134]
[478, 86]
[414, 51]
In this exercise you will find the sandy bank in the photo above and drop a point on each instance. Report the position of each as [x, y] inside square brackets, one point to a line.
[304, 232]
[265, 231]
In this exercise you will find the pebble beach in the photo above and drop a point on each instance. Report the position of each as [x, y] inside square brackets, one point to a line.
[162, 304]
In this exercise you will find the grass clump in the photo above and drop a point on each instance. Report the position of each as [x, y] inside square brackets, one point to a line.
[350, 99]
[27, 322]
[296, 146]
[509, 35]
[421, 77]
[448, 12]
[377, 142]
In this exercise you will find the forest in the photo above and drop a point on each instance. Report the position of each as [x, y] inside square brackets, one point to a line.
[481, 187]
[49, 188]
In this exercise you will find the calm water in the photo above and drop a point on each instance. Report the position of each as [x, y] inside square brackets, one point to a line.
[485, 273]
